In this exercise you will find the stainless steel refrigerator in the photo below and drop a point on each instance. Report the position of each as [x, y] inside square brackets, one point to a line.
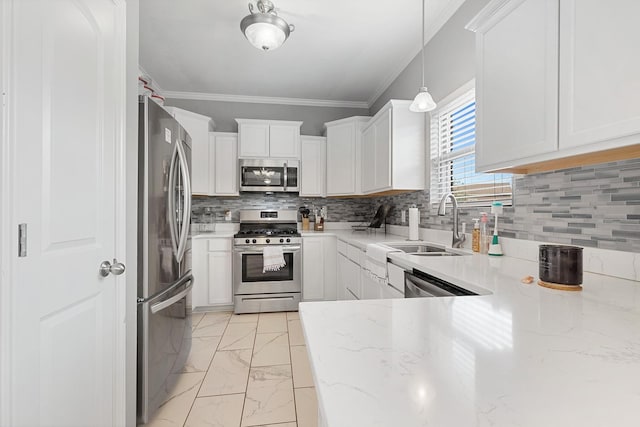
[164, 255]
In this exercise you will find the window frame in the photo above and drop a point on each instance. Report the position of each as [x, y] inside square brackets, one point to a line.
[457, 99]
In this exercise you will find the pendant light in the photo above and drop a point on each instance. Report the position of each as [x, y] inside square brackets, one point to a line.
[264, 29]
[423, 101]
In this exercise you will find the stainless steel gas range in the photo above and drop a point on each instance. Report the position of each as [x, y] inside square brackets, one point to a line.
[256, 291]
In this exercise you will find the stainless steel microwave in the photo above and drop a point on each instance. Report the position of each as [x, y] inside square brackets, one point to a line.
[270, 175]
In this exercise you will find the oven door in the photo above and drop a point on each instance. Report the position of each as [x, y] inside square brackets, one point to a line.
[250, 280]
[269, 175]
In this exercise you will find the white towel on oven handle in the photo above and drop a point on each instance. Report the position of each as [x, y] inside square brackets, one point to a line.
[272, 259]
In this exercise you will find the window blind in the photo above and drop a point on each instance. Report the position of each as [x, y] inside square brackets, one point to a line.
[453, 165]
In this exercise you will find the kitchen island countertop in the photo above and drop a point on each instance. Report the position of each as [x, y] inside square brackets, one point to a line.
[519, 355]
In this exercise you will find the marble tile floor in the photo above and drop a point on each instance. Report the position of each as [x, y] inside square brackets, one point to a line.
[243, 370]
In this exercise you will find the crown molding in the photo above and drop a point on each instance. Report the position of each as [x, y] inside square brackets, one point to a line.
[493, 9]
[220, 97]
[153, 83]
[439, 22]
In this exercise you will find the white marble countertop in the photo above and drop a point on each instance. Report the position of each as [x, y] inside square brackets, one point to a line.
[522, 355]
[359, 239]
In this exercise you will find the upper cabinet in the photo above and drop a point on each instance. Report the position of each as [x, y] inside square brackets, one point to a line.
[198, 128]
[599, 73]
[223, 173]
[313, 160]
[556, 82]
[268, 138]
[343, 156]
[393, 150]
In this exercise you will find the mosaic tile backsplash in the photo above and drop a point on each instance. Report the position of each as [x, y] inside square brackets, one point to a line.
[592, 206]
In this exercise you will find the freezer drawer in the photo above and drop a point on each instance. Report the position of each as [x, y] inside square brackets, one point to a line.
[164, 343]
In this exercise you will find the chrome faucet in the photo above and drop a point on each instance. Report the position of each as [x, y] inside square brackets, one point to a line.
[457, 240]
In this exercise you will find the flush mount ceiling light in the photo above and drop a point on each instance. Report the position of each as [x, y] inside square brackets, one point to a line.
[423, 101]
[264, 29]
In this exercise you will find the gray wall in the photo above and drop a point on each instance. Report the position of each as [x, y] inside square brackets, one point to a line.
[225, 113]
[449, 60]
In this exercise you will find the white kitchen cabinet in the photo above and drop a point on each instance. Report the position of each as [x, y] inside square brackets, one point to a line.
[599, 73]
[389, 292]
[313, 162]
[319, 268]
[223, 156]
[371, 288]
[556, 84]
[393, 150]
[212, 272]
[268, 138]
[344, 156]
[198, 128]
[341, 279]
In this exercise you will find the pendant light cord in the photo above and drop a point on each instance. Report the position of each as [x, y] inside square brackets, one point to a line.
[422, 45]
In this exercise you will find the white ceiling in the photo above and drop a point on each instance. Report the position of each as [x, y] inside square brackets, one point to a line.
[347, 51]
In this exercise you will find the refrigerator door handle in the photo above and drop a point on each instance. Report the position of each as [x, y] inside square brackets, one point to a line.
[170, 301]
[173, 223]
[186, 194]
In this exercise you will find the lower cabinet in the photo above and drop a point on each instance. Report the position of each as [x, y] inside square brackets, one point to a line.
[213, 272]
[319, 268]
[371, 287]
[349, 271]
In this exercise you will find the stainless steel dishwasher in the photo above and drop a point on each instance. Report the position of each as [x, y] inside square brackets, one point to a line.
[422, 285]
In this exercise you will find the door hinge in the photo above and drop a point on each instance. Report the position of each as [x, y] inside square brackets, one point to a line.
[22, 240]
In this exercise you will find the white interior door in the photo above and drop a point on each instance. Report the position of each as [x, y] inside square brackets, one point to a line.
[66, 118]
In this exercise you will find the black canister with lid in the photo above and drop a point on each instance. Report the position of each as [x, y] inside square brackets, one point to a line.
[560, 264]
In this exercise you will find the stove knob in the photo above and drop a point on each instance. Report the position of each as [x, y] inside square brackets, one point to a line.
[247, 241]
[268, 240]
[281, 240]
[254, 241]
[288, 240]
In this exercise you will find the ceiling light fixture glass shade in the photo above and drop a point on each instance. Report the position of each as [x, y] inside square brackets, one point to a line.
[423, 101]
[264, 29]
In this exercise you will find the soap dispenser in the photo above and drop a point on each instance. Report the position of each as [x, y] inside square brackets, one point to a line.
[475, 235]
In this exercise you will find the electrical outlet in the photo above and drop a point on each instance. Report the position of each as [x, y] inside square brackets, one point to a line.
[404, 216]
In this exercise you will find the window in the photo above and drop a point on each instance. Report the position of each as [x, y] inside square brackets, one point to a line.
[453, 160]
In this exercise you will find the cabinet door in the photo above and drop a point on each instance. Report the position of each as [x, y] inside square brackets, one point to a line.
[341, 159]
[389, 292]
[382, 177]
[284, 141]
[599, 72]
[253, 140]
[312, 166]
[313, 266]
[368, 157]
[370, 286]
[198, 129]
[353, 279]
[517, 83]
[220, 279]
[225, 171]
[200, 269]
[342, 277]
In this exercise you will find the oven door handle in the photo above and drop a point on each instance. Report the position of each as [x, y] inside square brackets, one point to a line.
[260, 250]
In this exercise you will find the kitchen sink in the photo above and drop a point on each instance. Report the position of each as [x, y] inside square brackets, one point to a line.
[424, 249]
[416, 248]
[436, 253]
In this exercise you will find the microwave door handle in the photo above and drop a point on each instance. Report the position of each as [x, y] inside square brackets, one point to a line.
[173, 223]
[186, 191]
[286, 176]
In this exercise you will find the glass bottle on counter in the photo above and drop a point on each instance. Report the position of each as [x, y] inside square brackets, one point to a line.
[475, 235]
[484, 233]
